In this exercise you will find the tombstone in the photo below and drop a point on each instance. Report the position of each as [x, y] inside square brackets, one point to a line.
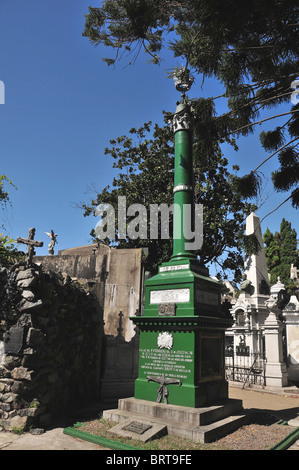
[31, 243]
[249, 311]
[182, 326]
[181, 354]
[257, 317]
[291, 316]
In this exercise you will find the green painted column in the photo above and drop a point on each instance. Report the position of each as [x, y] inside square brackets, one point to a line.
[181, 349]
[183, 182]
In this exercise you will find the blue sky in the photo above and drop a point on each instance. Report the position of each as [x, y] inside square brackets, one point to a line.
[63, 105]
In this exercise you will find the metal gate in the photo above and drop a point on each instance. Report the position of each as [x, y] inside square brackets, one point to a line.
[249, 368]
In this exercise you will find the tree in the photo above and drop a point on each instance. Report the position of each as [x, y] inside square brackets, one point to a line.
[145, 161]
[8, 252]
[250, 47]
[281, 252]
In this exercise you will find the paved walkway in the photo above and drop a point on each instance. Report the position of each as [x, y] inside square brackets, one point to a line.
[54, 439]
[285, 407]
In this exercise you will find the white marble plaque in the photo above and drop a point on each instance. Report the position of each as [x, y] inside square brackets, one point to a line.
[179, 267]
[170, 296]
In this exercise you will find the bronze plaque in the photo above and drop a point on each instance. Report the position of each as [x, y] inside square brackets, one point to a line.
[137, 427]
[167, 310]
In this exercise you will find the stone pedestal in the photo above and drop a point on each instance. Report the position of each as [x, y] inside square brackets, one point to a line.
[199, 424]
[291, 315]
[276, 371]
[181, 353]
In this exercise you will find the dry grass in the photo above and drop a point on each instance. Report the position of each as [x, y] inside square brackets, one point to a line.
[262, 434]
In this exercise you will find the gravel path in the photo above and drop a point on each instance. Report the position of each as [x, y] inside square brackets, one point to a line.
[261, 434]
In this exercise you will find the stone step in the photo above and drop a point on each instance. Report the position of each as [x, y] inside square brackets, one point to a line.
[196, 416]
[199, 424]
[203, 434]
[215, 431]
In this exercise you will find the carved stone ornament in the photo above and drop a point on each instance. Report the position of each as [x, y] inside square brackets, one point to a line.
[167, 310]
[272, 304]
[241, 304]
[165, 340]
[182, 122]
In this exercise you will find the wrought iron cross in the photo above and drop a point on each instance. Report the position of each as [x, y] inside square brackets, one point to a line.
[31, 243]
[162, 390]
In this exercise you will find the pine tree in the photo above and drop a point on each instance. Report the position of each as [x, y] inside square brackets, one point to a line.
[145, 161]
[281, 251]
[249, 47]
[288, 249]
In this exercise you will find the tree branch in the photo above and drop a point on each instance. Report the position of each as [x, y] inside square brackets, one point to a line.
[276, 208]
[264, 120]
[274, 153]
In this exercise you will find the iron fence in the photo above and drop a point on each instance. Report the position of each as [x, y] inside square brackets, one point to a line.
[249, 368]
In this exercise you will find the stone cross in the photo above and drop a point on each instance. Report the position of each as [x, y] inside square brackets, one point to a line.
[31, 243]
[120, 328]
[162, 390]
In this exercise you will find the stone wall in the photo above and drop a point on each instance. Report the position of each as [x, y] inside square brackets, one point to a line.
[115, 275]
[51, 334]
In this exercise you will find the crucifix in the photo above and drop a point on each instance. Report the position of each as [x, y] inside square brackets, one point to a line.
[162, 390]
[120, 328]
[31, 243]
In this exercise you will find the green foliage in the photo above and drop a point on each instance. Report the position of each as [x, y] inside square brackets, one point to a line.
[272, 140]
[4, 196]
[281, 251]
[145, 159]
[8, 252]
[249, 47]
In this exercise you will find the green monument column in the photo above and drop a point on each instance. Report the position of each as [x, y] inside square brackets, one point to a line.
[181, 353]
[183, 179]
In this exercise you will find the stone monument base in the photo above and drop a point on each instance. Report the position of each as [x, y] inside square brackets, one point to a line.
[146, 420]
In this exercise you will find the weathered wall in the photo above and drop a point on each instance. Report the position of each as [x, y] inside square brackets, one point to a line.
[50, 346]
[115, 275]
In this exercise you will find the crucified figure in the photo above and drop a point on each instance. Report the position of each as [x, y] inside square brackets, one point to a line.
[162, 390]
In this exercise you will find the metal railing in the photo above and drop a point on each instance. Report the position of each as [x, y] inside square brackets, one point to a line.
[249, 368]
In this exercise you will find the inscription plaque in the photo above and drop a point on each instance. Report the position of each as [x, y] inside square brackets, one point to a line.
[180, 267]
[137, 427]
[169, 296]
[169, 362]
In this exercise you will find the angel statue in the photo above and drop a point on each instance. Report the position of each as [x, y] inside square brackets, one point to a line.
[53, 236]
